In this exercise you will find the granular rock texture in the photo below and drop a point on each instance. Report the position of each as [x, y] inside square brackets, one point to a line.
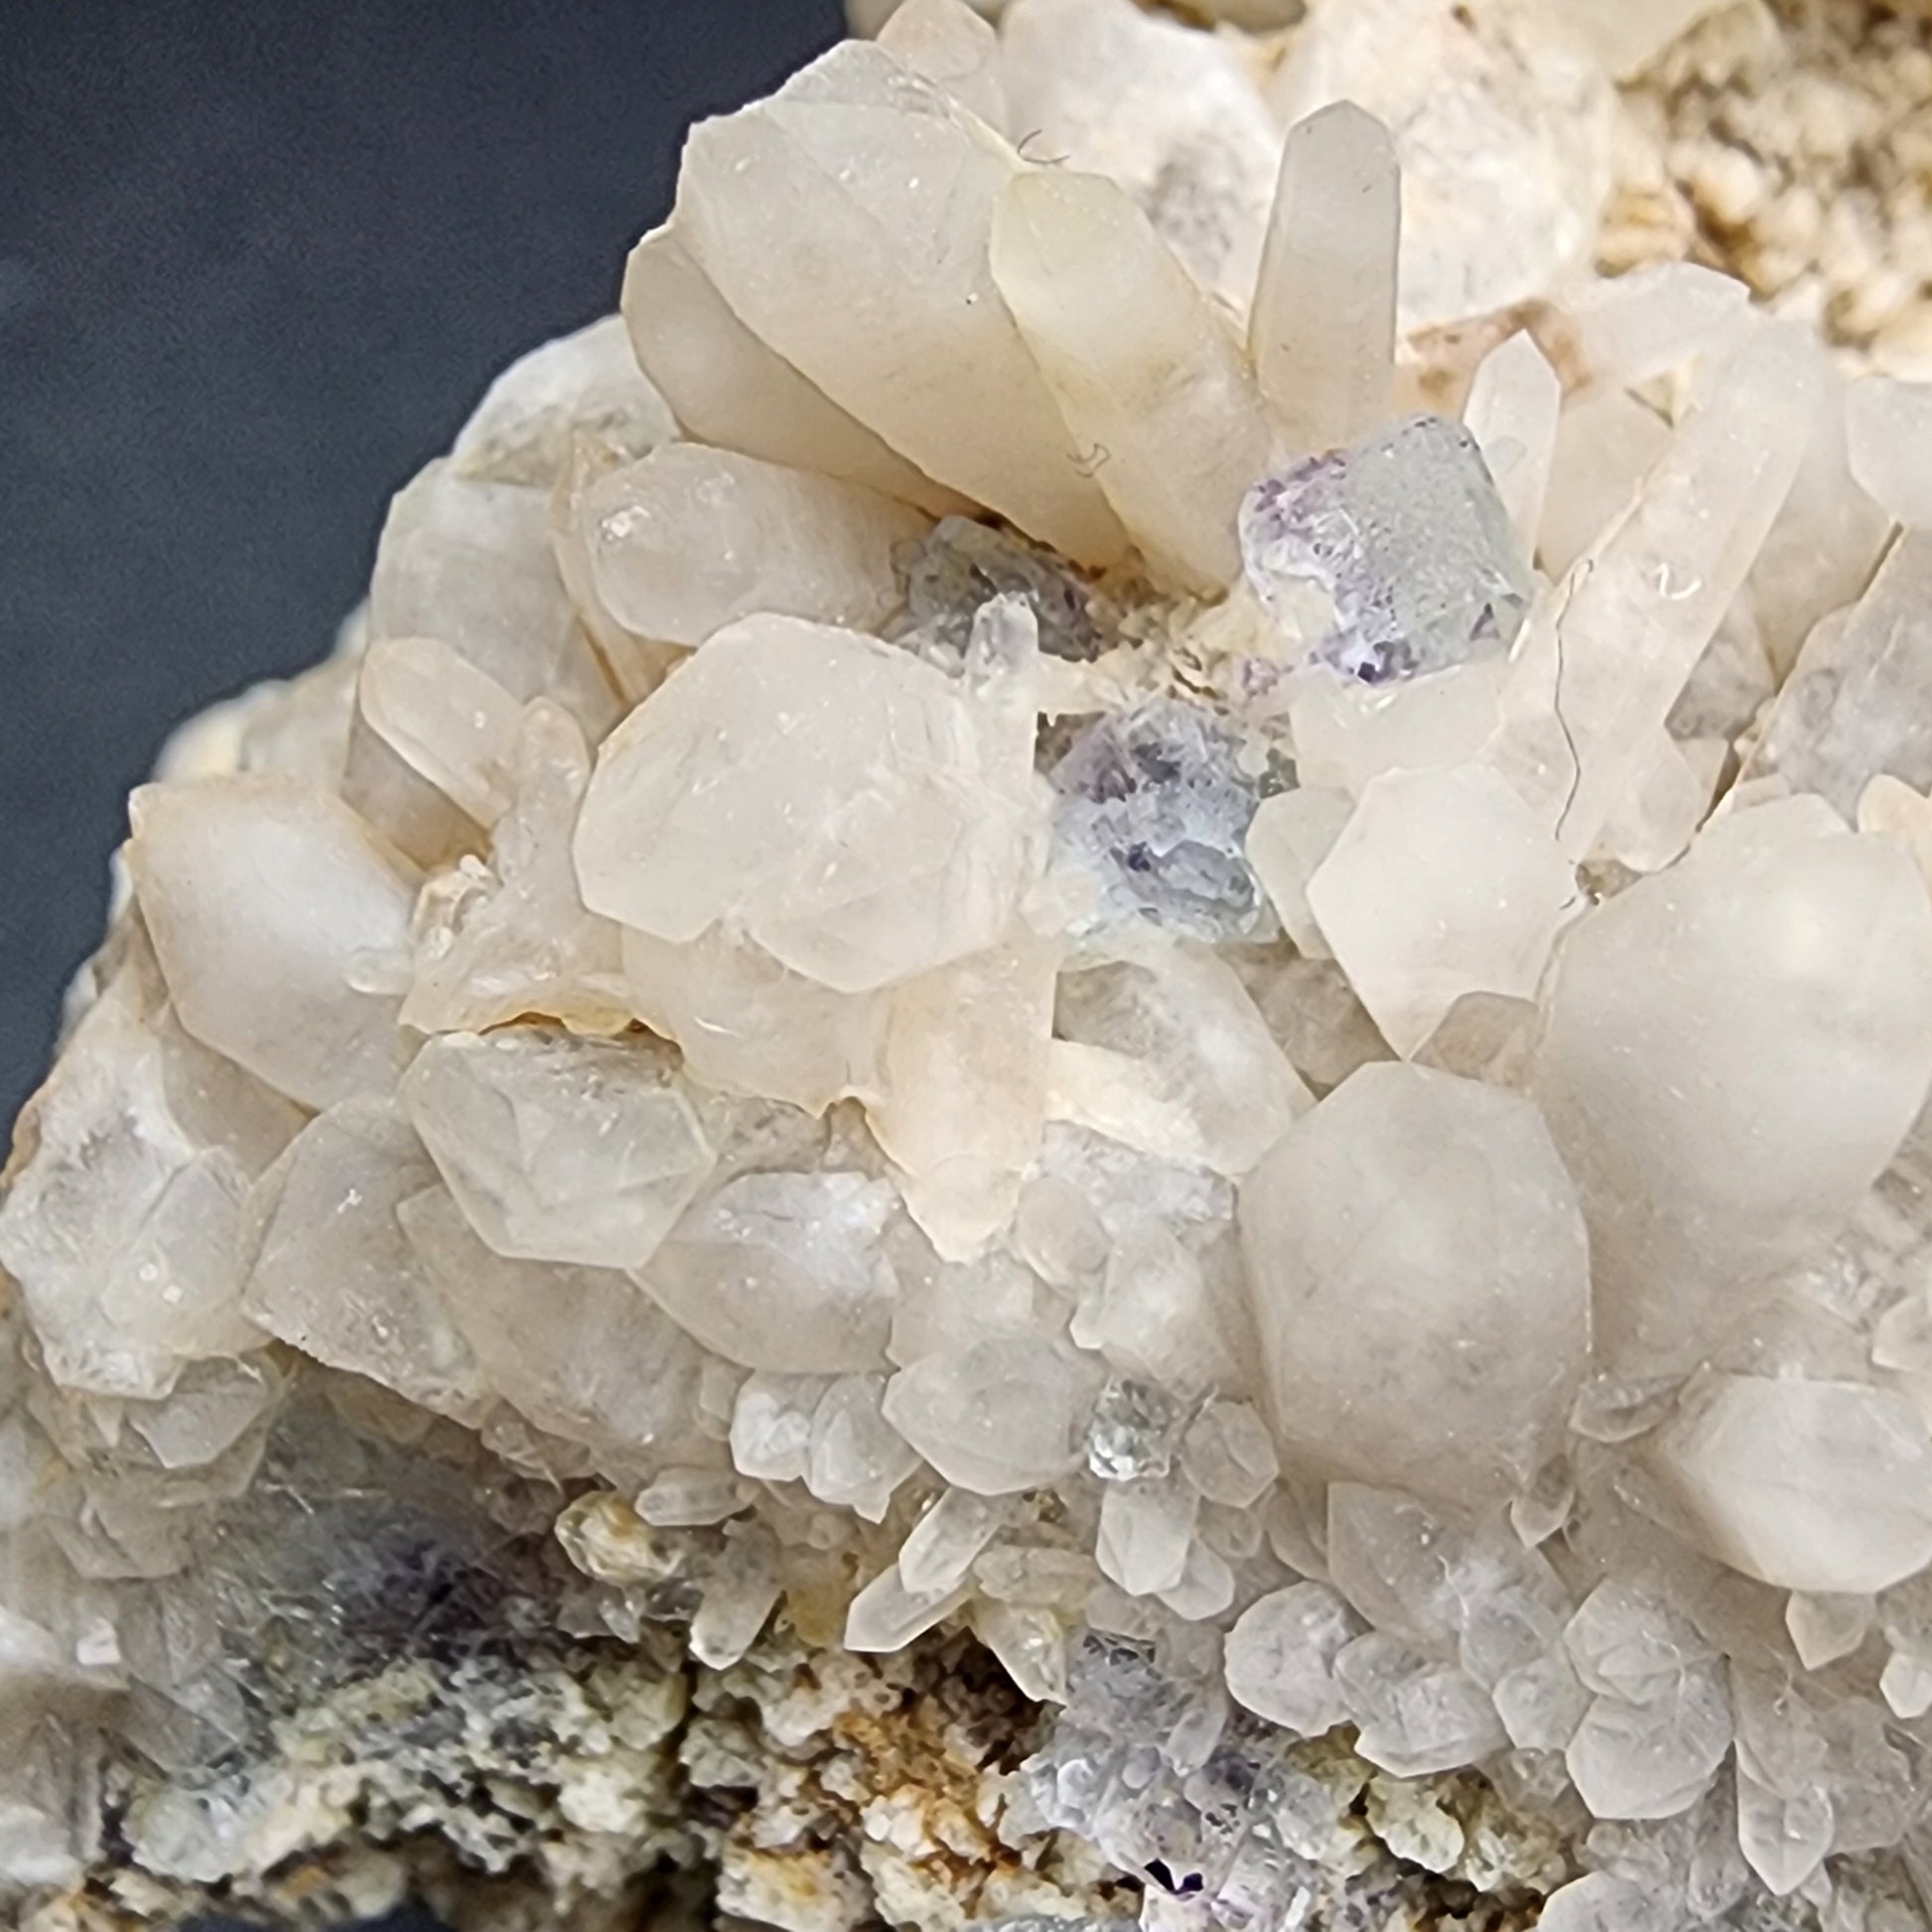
[1076, 1073]
[1791, 143]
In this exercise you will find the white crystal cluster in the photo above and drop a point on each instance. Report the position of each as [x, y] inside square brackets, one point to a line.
[1031, 895]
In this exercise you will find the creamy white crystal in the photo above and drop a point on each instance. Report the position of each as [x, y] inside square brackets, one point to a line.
[1015, 918]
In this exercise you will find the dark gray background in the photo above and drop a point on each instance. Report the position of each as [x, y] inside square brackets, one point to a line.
[256, 262]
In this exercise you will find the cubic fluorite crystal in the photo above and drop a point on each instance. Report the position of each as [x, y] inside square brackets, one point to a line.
[1406, 537]
[1050, 1090]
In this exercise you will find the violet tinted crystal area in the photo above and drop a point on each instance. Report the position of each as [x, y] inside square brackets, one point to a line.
[1153, 806]
[962, 565]
[1406, 537]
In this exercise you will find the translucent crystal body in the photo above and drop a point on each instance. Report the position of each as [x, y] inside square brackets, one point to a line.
[1153, 807]
[1404, 537]
[973, 1132]
[1417, 1259]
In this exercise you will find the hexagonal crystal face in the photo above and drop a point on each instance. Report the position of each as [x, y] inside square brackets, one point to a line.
[1406, 538]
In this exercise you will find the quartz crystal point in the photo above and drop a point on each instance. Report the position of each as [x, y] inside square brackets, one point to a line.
[1349, 735]
[1820, 1486]
[1293, 833]
[1322, 327]
[1627, 330]
[998, 1417]
[748, 1025]
[275, 914]
[783, 1271]
[448, 722]
[494, 942]
[847, 222]
[558, 1149]
[1174, 116]
[586, 382]
[1853, 706]
[1149, 376]
[962, 1086]
[729, 389]
[1418, 1265]
[1281, 1657]
[1173, 1058]
[1400, 544]
[467, 561]
[1154, 1316]
[1513, 410]
[1608, 439]
[947, 42]
[121, 1225]
[1626, 38]
[1504, 126]
[333, 1271]
[1442, 884]
[961, 566]
[1826, 541]
[604, 1368]
[882, 838]
[691, 539]
[1798, 958]
[1888, 425]
[1666, 572]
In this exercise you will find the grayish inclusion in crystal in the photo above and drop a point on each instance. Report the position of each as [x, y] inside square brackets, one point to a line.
[1132, 1431]
[1405, 535]
[1217, 1828]
[962, 565]
[1153, 803]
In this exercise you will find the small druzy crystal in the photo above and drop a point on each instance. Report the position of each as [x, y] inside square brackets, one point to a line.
[1405, 536]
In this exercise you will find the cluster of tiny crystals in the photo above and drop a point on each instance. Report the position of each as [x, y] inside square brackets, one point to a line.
[1035, 913]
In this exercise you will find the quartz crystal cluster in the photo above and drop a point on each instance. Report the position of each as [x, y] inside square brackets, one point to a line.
[1132, 895]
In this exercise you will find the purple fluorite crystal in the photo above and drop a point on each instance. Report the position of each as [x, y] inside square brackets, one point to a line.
[1154, 807]
[1404, 535]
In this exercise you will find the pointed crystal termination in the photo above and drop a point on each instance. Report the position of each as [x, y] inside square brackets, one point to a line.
[1418, 1265]
[846, 221]
[1322, 329]
[1887, 425]
[1854, 703]
[880, 840]
[1646, 597]
[1147, 372]
[1514, 404]
[960, 565]
[729, 389]
[689, 540]
[947, 42]
[1406, 538]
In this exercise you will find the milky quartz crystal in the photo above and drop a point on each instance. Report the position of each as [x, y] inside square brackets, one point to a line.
[1076, 1073]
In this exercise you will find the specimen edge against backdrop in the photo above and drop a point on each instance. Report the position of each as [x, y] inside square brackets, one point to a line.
[1204, 1074]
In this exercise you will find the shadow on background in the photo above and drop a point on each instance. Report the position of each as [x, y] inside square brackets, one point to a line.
[255, 265]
